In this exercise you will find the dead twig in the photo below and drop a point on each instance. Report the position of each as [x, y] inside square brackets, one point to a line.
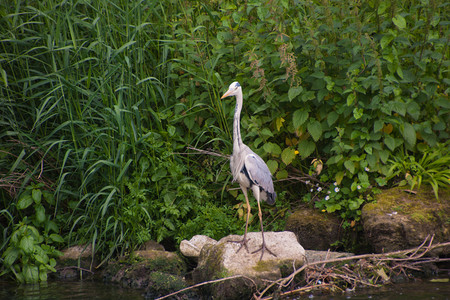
[208, 152]
[413, 255]
[205, 283]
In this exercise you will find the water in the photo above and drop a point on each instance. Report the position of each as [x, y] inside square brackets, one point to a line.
[405, 291]
[10, 290]
[97, 290]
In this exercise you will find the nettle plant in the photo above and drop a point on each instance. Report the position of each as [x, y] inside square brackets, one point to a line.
[350, 84]
[31, 251]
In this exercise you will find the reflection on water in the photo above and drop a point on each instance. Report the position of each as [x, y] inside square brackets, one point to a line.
[407, 291]
[95, 290]
[66, 290]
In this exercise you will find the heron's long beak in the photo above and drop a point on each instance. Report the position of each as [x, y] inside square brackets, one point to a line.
[226, 94]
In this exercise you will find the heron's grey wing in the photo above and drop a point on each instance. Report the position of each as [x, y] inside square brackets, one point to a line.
[258, 172]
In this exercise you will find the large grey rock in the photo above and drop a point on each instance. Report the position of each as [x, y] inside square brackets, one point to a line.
[222, 260]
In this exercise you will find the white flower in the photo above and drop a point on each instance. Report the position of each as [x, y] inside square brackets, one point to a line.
[327, 198]
[307, 181]
[319, 189]
[329, 192]
[311, 190]
[336, 189]
[335, 183]
[366, 169]
[358, 187]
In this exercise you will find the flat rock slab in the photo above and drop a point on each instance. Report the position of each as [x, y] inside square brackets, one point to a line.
[223, 260]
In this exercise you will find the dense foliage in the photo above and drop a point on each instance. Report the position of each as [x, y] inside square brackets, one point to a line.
[100, 99]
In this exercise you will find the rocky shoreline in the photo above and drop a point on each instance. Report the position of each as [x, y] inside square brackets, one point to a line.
[397, 220]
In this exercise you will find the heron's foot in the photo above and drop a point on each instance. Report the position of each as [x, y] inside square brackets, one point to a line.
[262, 249]
[243, 243]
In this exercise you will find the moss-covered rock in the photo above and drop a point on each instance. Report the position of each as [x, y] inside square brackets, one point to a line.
[314, 230]
[159, 272]
[399, 219]
[77, 262]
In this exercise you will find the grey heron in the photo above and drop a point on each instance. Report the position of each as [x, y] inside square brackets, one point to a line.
[249, 170]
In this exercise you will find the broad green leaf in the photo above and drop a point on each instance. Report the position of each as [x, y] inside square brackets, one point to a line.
[306, 148]
[315, 129]
[262, 12]
[386, 40]
[350, 99]
[350, 165]
[399, 21]
[383, 6]
[25, 200]
[273, 165]
[36, 194]
[279, 122]
[51, 226]
[30, 273]
[171, 130]
[409, 134]
[272, 148]
[309, 95]
[43, 259]
[378, 125]
[339, 177]
[180, 91]
[27, 244]
[358, 113]
[332, 118]
[43, 276]
[413, 109]
[294, 92]
[368, 149]
[48, 197]
[384, 155]
[288, 155]
[299, 117]
[40, 213]
[389, 142]
[10, 256]
[282, 174]
[56, 238]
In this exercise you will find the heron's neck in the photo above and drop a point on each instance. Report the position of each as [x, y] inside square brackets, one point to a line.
[237, 140]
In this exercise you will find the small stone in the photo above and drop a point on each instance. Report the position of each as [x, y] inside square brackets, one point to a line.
[76, 252]
[193, 247]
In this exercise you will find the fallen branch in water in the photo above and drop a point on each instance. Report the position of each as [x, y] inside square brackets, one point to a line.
[369, 270]
[205, 283]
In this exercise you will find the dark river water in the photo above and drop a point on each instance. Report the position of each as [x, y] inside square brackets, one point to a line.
[95, 290]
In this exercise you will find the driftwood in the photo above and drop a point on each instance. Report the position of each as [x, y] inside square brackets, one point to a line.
[336, 275]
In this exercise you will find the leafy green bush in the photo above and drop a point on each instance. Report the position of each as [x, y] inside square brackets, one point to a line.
[31, 250]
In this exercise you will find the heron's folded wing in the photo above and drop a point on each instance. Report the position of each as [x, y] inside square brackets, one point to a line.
[259, 172]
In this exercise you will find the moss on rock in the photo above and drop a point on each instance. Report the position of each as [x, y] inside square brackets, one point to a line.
[399, 219]
[314, 230]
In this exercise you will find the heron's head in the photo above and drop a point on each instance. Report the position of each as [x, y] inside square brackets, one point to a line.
[233, 90]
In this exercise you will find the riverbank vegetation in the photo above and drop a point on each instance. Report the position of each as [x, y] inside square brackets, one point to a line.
[100, 101]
